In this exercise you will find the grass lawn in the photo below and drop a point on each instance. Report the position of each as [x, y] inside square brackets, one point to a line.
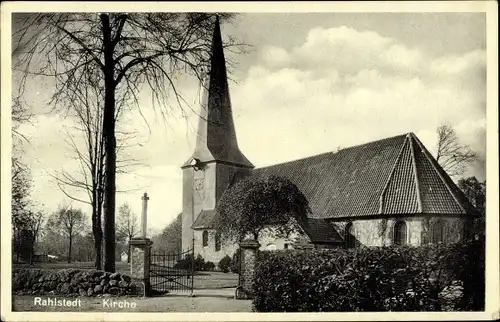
[23, 303]
[202, 280]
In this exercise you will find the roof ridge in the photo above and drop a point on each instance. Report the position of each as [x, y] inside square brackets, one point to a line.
[382, 195]
[334, 152]
[438, 171]
[295, 160]
[376, 141]
[414, 163]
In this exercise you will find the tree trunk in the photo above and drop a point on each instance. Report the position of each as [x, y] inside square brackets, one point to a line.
[109, 148]
[128, 252]
[97, 248]
[97, 230]
[69, 250]
[32, 248]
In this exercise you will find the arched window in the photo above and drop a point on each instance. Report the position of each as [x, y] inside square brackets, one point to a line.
[205, 238]
[350, 240]
[437, 232]
[400, 233]
[217, 241]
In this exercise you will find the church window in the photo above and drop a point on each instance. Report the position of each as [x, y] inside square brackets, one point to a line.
[437, 232]
[217, 241]
[286, 246]
[350, 240]
[205, 238]
[400, 234]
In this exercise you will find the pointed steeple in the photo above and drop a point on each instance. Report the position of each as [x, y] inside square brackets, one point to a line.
[216, 136]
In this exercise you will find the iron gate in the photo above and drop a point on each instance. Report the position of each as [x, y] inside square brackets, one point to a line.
[172, 272]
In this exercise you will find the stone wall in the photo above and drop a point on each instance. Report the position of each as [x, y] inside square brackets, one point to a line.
[72, 282]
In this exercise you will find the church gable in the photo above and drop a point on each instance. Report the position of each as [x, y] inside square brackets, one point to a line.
[437, 191]
[400, 195]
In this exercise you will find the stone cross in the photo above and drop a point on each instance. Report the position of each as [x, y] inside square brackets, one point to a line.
[144, 219]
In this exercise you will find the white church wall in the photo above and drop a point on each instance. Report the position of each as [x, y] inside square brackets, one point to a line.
[267, 239]
[380, 232]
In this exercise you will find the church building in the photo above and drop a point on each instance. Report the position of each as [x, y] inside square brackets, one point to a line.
[391, 191]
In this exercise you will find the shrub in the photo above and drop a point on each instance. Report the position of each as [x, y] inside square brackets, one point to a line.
[235, 262]
[187, 262]
[371, 279]
[209, 266]
[225, 263]
[199, 263]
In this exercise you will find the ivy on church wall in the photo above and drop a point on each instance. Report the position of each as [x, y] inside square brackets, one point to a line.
[382, 228]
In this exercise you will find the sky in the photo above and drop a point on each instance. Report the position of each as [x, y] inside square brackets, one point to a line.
[310, 83]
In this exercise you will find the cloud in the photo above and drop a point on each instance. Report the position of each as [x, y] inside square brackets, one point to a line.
[341, 87]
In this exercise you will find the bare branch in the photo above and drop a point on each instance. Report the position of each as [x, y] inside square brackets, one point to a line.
[451, 154]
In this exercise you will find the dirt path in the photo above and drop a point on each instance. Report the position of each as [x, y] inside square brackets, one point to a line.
[134, 304]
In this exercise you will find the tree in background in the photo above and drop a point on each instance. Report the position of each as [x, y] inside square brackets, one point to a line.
[21, 186]
[453, 156]
[34, 227]
[69, 222]
[127, 226]
[253, 204]
[126, 50]
[20, 173]
[170, 239]
[475, 191]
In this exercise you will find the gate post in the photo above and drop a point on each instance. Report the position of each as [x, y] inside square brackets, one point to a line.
[140, 261]
[248, 259]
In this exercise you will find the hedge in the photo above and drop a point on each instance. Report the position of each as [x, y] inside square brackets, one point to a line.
[199, 263]
[225, 264]
[235, 262]
[425, 278]
[72, 282]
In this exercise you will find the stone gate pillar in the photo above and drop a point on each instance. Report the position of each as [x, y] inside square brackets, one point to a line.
[140, 259]
[248, 258]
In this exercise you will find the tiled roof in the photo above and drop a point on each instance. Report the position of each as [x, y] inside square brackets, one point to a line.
[320, 231]
[392, 176]
[204, 220]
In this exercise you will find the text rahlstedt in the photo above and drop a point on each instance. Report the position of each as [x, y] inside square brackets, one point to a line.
[57, 302]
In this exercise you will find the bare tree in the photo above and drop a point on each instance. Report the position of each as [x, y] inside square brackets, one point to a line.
[89, 177]
[127, 226]
[452, 155]
[70, 222]
[127, 50]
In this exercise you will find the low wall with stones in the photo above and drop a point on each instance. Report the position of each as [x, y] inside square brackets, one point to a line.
[72, 282]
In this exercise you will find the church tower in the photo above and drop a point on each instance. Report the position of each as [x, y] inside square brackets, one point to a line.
[216, 158]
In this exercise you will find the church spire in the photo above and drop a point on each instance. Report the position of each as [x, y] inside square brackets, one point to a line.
[216, 136]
